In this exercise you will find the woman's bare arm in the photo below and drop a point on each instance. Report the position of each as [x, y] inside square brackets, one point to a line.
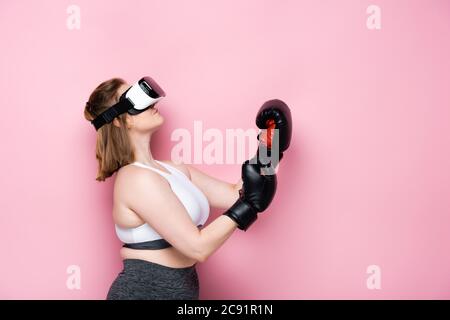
[154, 201]
[220, 194]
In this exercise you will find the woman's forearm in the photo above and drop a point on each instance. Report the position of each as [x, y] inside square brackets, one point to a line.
[214, 235]
[217, 232]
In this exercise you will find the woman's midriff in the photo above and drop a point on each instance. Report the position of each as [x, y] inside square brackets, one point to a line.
[169, 257]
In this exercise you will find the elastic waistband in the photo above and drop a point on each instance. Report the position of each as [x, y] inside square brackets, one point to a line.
[148, 265]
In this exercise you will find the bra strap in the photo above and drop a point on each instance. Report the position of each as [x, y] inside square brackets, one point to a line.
[166, 175]
[172, 169]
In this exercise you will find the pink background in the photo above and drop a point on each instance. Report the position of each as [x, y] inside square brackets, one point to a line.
[365, 182]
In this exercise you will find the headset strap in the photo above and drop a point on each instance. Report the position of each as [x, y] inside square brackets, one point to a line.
[109, 114]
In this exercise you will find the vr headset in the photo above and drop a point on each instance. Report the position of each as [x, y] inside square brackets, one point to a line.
[142, 95]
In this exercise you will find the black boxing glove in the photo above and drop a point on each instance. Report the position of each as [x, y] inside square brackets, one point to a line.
[275, 121]
[255, 196]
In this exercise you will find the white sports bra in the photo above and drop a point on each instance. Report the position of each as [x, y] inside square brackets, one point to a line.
[193, 199]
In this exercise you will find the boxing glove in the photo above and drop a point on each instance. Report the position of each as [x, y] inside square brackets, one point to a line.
[255, 196]
[275, 121]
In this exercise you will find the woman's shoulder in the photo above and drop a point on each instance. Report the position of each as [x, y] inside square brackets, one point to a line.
[130, 180]
[129, 173]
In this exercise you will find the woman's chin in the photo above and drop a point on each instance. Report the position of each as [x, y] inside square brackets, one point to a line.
[159, 122]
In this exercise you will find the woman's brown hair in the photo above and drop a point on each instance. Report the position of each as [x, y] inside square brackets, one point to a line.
[113, 149]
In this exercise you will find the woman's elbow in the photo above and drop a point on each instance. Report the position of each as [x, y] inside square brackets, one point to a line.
[201, 258]
[195, 251]
[196, 255]
[200, 254]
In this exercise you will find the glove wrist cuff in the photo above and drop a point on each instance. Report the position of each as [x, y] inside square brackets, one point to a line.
[242, 213]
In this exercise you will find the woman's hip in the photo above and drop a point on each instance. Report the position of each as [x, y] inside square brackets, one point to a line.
[142, 279]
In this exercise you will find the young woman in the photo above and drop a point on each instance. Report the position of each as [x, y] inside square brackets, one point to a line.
[159, 206]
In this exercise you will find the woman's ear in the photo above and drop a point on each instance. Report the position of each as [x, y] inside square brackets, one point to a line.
[116, 122]
[129, 121]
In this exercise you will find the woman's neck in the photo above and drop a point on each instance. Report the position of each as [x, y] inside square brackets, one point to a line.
[142, 151]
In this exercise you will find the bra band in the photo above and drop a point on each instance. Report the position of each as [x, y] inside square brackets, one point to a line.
[148, 245]
[151, 245]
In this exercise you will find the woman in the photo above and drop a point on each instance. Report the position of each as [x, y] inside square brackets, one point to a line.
[159, 206]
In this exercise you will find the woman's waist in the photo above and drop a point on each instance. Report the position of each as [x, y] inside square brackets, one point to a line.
[169, 257]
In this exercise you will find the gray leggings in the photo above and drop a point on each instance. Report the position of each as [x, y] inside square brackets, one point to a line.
[144, 280]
